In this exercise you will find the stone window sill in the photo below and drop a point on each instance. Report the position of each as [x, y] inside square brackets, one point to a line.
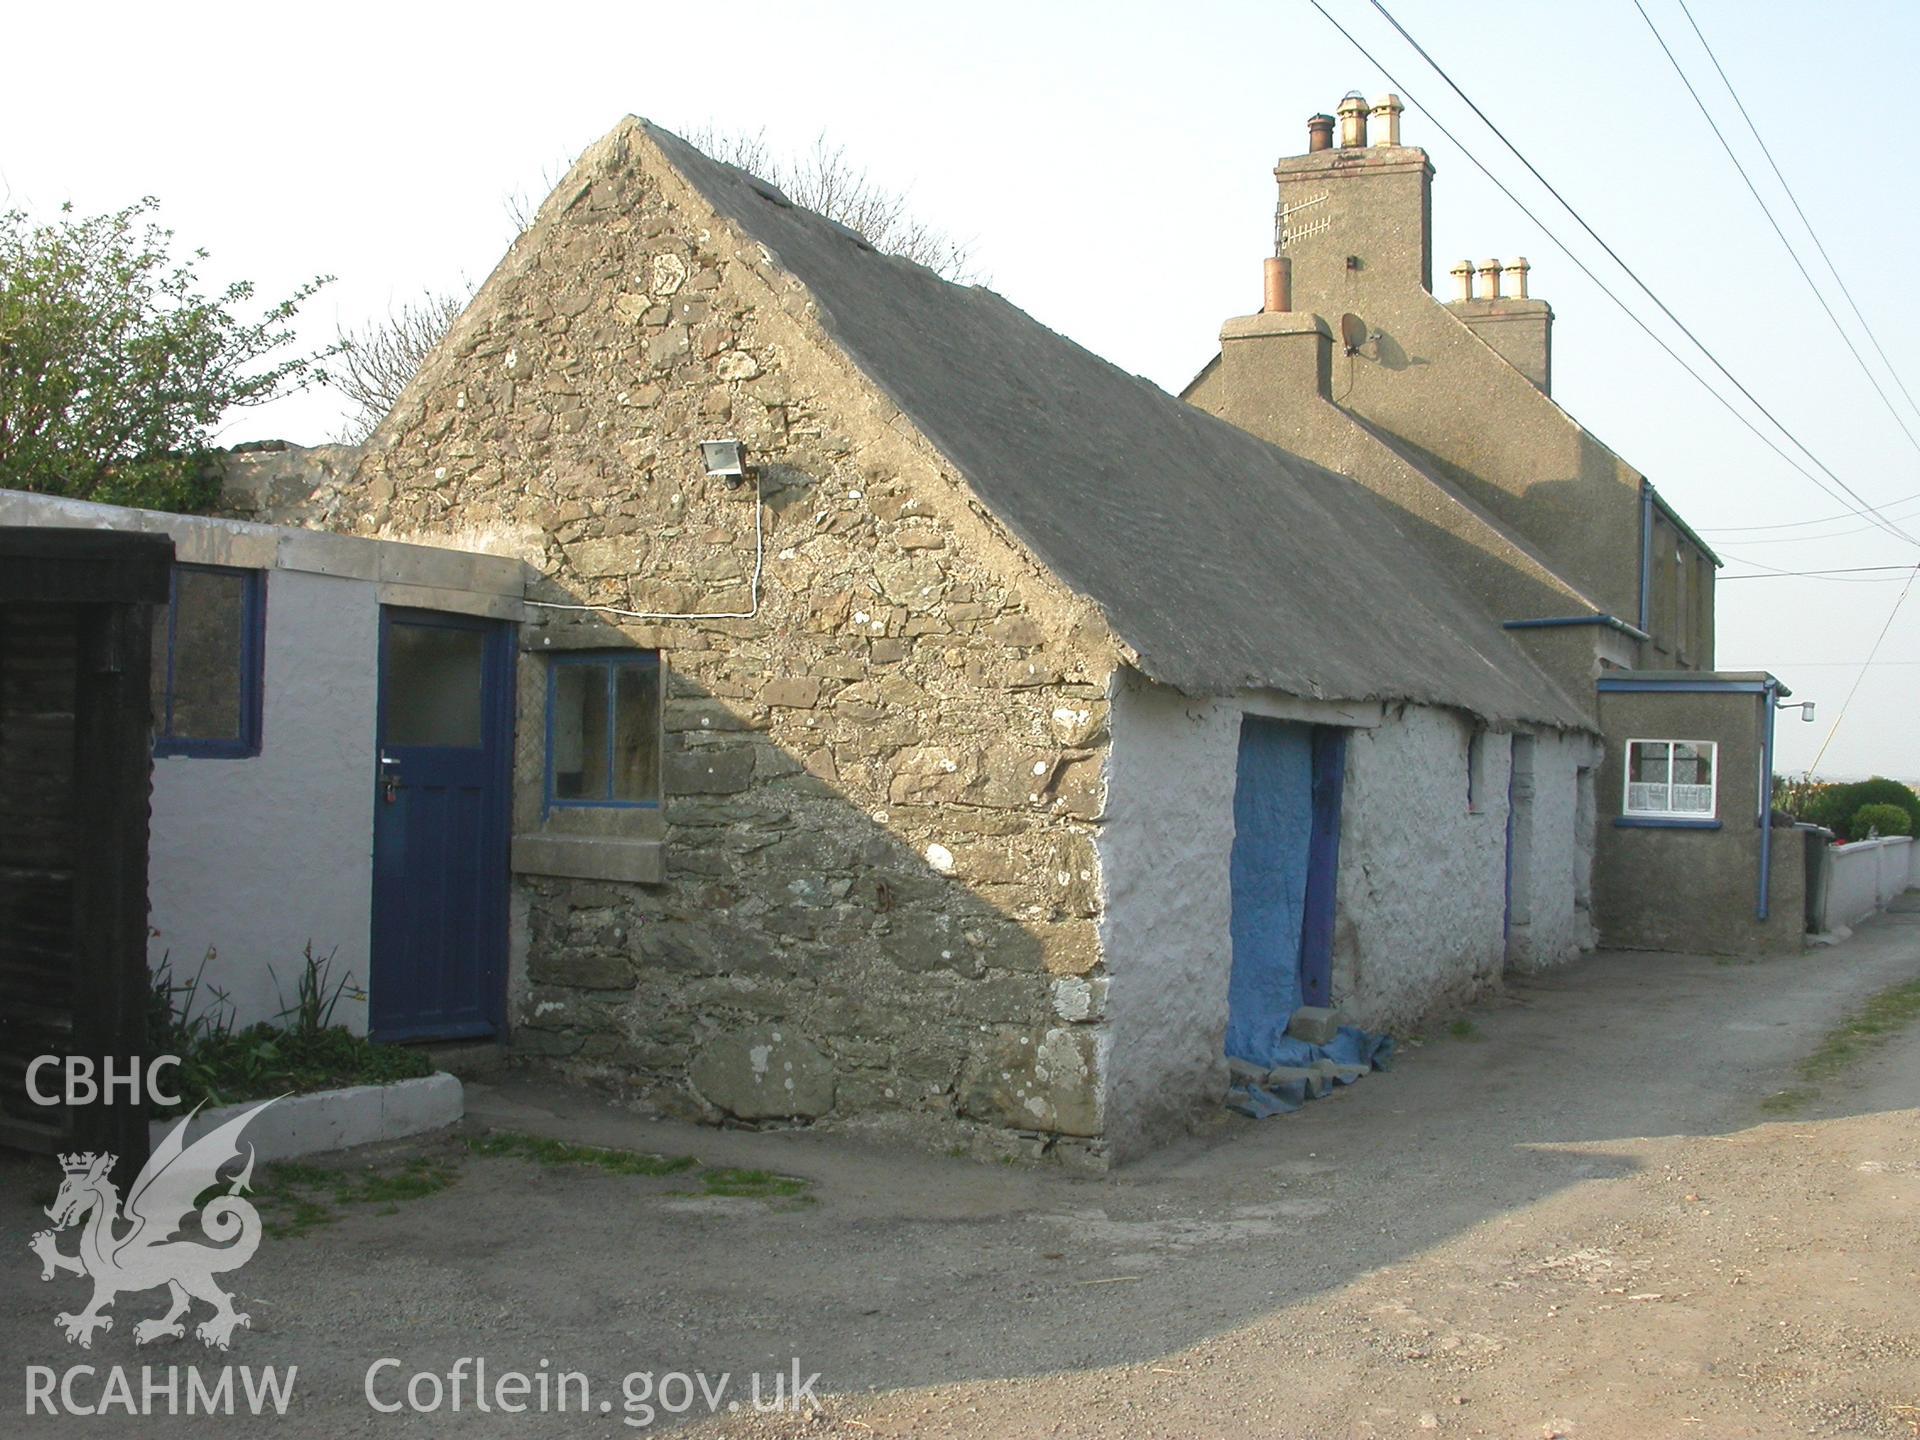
[1661, 822]
[586, 857]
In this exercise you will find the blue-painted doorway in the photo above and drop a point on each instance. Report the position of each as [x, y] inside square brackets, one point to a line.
[440, 830]
[1284, 868]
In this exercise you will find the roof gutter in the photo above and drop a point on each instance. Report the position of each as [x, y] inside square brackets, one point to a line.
[1612, 622]
[1685, 529]
[1684, 683]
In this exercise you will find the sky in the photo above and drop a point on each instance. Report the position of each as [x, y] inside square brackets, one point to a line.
[1110, 165]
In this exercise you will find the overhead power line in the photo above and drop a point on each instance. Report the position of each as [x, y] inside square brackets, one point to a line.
[1861, 506]
[1796, 524]
[1815, 539]
[1814, 234]
[1767, 210]
[1899, 600]
[1817, 574]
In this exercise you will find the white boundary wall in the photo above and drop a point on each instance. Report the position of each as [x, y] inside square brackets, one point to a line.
[1865, 876]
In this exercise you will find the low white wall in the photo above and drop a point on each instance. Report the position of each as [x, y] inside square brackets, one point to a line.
[256, 857]
[1863, 877]
[1421, 893]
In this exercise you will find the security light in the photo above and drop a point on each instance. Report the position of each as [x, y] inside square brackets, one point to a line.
[1805, 707]
[725, 460]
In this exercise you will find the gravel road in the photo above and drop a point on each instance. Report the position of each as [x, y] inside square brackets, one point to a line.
[1577, 1219]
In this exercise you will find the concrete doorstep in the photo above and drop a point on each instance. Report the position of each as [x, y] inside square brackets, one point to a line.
[297, 1125]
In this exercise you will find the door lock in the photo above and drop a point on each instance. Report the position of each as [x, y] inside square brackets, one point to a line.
[390, 782]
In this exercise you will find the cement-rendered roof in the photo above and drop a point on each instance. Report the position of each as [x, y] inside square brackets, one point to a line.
[1225, 563]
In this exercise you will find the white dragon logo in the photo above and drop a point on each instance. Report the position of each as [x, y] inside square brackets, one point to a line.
[146, 1256]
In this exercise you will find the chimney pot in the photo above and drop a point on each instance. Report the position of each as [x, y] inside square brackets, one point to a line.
[1490, 276]
[1518, 268]
[1279, 286]
[1353, 120]
[1386, 120]
[1462, 280]
[1319, 133]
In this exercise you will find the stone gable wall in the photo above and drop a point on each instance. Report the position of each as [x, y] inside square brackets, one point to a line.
[880, 891]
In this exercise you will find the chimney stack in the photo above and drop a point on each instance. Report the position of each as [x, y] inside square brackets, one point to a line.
[1319, 133]
[1517, 327]
[1279, 285]
[1386, 121]
[1353, 120]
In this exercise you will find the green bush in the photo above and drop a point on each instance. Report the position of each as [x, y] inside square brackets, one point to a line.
[1835, 806]
[1887, 819]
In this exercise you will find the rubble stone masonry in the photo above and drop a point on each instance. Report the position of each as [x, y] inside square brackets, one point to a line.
[877, 890]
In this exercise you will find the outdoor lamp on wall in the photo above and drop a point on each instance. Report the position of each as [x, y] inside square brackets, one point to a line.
[725, 460]
[1805, 707]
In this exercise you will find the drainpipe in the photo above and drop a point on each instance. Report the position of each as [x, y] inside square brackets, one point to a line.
[1766, 799]
[1646, 556]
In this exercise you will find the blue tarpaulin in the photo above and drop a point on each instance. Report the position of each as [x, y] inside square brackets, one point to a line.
[1272, 819]
[1358, 1049]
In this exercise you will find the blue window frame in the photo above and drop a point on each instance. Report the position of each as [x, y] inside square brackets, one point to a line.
[209, 644]
[603, 730]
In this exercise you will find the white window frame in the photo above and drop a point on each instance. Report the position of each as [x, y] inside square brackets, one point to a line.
[1712, 751]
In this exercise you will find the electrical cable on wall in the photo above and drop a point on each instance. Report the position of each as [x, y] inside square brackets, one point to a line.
[753, 585]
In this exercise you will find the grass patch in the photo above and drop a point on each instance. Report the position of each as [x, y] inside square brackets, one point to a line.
[1790, 1102]
[718, 1180]
[1464, 1030]
[752, 1184]
[294, 1198]
[558, 1152]
[1849, 1042]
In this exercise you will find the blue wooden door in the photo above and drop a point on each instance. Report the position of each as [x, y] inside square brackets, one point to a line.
[440, 830]
[1286, 839]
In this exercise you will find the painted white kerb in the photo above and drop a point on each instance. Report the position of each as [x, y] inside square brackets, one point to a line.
[335, 1119]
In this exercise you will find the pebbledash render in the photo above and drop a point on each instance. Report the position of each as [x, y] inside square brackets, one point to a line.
[953, 675]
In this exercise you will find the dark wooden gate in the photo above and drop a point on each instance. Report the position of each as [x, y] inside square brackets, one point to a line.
[75, 780]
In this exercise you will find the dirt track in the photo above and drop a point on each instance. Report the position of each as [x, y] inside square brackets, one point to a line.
[1476, 1243]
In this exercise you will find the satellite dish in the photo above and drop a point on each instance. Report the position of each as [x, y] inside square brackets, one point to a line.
[1353, 333]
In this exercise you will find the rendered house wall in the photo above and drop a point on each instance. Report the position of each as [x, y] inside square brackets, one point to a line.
[1420, 894]
[1423, 886]
[1694, 890]
[255, 857]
